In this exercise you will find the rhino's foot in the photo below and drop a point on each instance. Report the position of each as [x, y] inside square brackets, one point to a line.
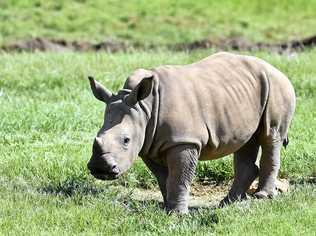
[229, 199]
[177, 209]
[262, 194]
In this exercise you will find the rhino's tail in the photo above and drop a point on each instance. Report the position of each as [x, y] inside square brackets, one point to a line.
[286, 141]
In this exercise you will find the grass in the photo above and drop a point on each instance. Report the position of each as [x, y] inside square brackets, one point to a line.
[49, 118]
[157, 22]
[112, 212]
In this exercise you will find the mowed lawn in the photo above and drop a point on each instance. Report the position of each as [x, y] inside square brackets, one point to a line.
[48, 119]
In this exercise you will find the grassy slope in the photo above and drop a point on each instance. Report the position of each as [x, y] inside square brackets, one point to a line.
[160, 21]
[48, 120]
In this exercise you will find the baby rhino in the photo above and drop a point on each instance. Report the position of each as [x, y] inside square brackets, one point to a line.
[173, 116]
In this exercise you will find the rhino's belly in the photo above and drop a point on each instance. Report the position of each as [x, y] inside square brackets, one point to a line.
[230, 135]
[211, 151]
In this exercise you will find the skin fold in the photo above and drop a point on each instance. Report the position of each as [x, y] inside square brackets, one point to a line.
[172, 116]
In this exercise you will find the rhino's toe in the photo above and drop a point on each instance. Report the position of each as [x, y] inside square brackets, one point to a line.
[232, 198]
[262, 194]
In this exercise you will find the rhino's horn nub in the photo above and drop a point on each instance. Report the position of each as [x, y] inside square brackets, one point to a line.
[98, 141]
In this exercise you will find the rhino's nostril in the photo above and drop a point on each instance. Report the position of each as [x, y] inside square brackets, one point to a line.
[115, 169]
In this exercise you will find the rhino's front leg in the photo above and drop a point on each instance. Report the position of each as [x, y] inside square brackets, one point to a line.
[161, 174]
[181, 161]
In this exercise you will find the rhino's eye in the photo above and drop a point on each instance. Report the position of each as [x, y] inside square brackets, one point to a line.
[126, 140]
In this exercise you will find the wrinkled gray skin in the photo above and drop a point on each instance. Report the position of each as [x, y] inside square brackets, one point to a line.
[173, 116]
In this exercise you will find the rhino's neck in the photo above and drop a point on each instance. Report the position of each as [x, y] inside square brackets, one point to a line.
[151, 107]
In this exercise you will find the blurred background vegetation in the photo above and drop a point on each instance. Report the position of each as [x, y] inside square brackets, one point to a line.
[157, 22]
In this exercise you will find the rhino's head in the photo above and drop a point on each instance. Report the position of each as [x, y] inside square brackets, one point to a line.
[122, 135]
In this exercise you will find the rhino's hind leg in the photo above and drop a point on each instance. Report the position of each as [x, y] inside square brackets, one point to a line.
[269, 168]
[182, 161]
[246, 171]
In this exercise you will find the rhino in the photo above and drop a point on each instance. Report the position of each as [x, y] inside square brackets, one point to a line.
[173, 116]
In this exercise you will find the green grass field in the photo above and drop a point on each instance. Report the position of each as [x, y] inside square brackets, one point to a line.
[157, 22]
[49, 118]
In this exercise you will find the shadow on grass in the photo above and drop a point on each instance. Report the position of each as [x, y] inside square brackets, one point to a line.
[305, 180]
[71, 187]
[137, 206]
[74, 187]
[203, 215]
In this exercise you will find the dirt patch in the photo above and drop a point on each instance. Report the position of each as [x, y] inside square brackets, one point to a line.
[56, 45]
[112, 45]
[246, 45]
[282, 186]
[205, 194]
[202, 194]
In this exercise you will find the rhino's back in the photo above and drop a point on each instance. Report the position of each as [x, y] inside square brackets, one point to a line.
[216, 103]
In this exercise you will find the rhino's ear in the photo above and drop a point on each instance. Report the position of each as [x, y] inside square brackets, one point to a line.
[141, 91]
[99, 91]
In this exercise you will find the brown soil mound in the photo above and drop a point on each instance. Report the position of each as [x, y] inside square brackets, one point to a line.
[243, 44]
[55, 45]
[111, 45]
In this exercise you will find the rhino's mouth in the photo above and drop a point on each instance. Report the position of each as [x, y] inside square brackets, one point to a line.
[105, 176]
[104, 167]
